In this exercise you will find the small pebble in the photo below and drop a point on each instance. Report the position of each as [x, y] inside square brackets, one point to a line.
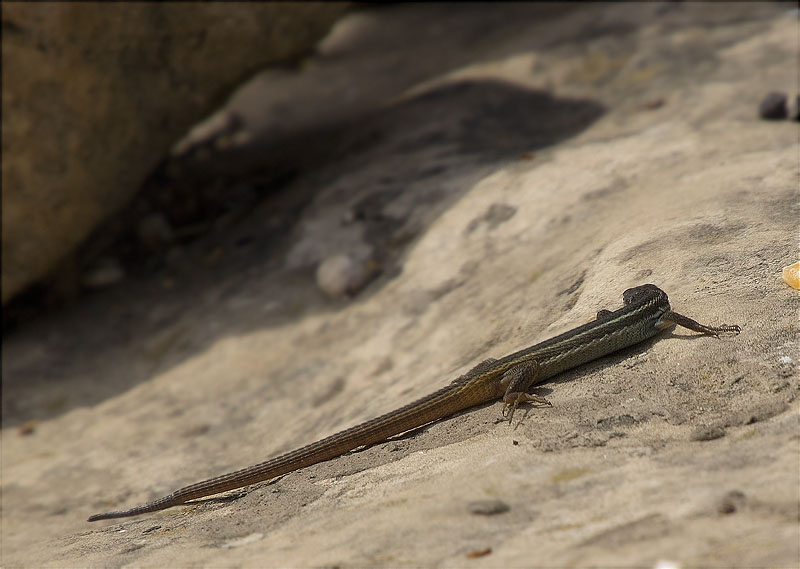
[707, 433]
[105, 272]
[220, 127]
[488, 507]
[28, 428]
[773, 106]
[653, 104]
[342, 275]
[731, 502]
[475, 553]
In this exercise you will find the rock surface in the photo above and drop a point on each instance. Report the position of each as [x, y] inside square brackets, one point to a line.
[94, 96]
[539, 164]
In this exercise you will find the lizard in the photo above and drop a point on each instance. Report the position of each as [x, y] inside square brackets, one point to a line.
[645, 313]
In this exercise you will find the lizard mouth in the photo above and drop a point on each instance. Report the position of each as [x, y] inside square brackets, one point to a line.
[662, 324]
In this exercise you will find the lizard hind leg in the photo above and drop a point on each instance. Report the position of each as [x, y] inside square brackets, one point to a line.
[517, 381]
[604, 314]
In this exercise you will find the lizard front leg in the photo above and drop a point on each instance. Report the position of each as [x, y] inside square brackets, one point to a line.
[671, 317]
[516, 382]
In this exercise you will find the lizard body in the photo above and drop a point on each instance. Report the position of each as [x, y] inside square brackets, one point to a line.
[645, 313]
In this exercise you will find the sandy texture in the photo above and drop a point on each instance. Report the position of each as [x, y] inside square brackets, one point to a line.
[544, 160]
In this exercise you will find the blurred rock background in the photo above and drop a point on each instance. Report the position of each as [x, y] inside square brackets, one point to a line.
[94, 96]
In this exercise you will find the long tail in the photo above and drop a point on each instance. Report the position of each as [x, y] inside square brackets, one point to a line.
[442, 403]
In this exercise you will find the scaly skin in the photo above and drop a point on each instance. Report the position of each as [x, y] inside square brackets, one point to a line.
[645, 313]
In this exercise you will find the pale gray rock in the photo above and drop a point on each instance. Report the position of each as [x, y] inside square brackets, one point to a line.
[341, 275]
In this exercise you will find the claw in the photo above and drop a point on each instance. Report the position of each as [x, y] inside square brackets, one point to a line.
[512, 400]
